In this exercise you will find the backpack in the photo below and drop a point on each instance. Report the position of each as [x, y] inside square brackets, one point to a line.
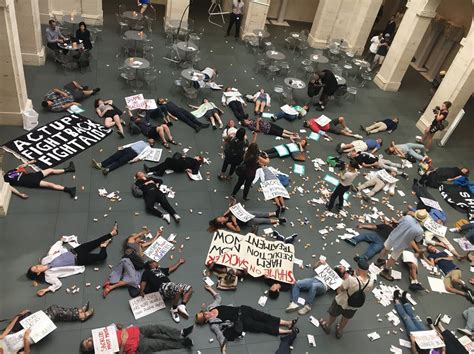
[357, 299]
[234, 331]
[284, 180]
[234, 149]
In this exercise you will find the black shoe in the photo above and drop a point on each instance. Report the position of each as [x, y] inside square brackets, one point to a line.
[396, 295]
[278, 236]
[214, 127]
[468, 295]
[94, 91]
[187, 331]
[350, 241]
[291, 239]
[146, 168]
[71, 191]
[188, 342]
[282, 220]
[120, 134]
[416, 287]
[70, 168]
[404, 299]
[105, 171]
[169, 124]
[429, 321]
[437, 319]
[273, 118]
[204, 125]
[404, 175]
[380, 262]
[197, 129]
[327, 207]
[356, 259]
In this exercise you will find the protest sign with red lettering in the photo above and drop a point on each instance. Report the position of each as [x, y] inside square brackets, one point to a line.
[105, 340]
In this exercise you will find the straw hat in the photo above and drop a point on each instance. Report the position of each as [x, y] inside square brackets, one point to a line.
[421, 215]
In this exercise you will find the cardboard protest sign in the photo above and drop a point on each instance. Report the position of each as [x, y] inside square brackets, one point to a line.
[255, 254]
[427, 339]
[158, 249]
[150, 104]
[386, 176]
[105, 340]
[329, 275]
[464, 244]
[135, 102]
[273, 188]
[431, 203]
[240, 213]
[40, 324]
[323, 120]
[58, 141]
[434, 227]
[146, 305]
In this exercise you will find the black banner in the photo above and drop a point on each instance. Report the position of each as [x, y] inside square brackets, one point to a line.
[460, 198]
[58, 141]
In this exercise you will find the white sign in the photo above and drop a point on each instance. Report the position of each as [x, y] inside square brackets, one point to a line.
[431, 203]
[146, 305]
[154, 155]
[386, 176]
[272, 189]
[105, 340]
[329, 276]
[150, 104]
[240, 213]
[427, 339]
[135, 102]
[437, 285]
[40, 324]
[323, 120]
[409, 257]
[158, 249]
[434, 227]
[464, 244]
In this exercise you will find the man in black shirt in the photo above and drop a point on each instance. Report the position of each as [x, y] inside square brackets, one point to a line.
[182, 114]
[152, 195]
[177, 163]
[156, 279]
[375, 236]
[330, 85]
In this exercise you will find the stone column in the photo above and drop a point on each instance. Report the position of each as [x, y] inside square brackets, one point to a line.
[13, 96]
[175, 9]
[31, 41]
[427, 43]
[45, 8]
[362, 20]
[280, 21]
[5, 195]
[413, 27]
[323, 23]
[255, 16]
[456, 87]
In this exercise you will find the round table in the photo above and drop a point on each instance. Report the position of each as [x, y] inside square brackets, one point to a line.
[132, 15]
[318, 58]
[340, 80]
[187, 47]
[275, 55]
[73, 20]
[261, 33]
[294, 83]
[137, 36]
[68, 46]
[361, 64]
[137, 64]
[192, 74]
[295, 35]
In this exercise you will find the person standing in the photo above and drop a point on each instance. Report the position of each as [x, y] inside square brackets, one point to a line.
[441, 113]
[330, 85]
[234, 150]
[382, 51]
[374, 45]
[235, 17]
[346, 178]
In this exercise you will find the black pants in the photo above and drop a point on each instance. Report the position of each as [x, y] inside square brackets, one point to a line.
[186, 117]
[243, 181]
[156, 196]
[237, 19]
[256, 321]
[232, 164]
[84, 255]
[119, 158]
[338, 192]
[238, 110]
[169, 164]
[272, 153]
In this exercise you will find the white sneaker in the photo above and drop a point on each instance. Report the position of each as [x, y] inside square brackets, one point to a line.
[167, 218]
[292, 307]
[174, 315]
[182, 311]
[176, 217]
[357, 136]
[304, 310]
[348, 130]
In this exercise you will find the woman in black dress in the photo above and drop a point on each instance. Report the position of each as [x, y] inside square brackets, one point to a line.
[438, 124]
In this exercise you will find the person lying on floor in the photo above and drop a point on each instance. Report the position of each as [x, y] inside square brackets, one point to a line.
[61, 263]
[160, 114]
[152, 195]
[209, 111]
[129, 153]
[388, 124]
[58, 100]
[182, 114]
[268, 173]
[368, 160]
[155, 279]
[291, 113]
[20, 177]
[336, 126]
[232, 98]
[371, 145]
[262, 100]
[452, 274]
[240, 319]
[111, 114]
[410, 151]
[178, 163]
[146, 339]
[260, 125]
[128, 271]
[161, 132]
[295, 150]
[436, 177]
[377, 183]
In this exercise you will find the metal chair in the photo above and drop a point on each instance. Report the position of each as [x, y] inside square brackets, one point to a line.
[150, 18]
[272, 71]
[284, 68]
[336, 69]
[366, 76]
[96, 31]
[351, 92]
[122, 23]
[150, 76]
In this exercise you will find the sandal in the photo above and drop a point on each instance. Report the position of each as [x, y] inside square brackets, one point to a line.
[324, 326]
[88, 314]
[293, 323]
[165, 144]
[338, 332]
[173, 142]
[106, 291]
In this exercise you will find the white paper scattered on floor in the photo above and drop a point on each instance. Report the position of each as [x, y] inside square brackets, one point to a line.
[437, 285]
[311, 340]
[262, 301]
[314, 321]
[373, 336]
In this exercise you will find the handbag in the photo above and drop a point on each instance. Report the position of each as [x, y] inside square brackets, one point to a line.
[240, 170]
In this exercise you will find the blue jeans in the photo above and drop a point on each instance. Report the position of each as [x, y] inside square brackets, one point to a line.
[286, 116]
[411, 150]
[468, 230]
[406, 313]
[314, 287]
[373, 239]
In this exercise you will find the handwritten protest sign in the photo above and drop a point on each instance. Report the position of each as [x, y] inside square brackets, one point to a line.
[240, 213]
[434, 227]
[323, 120]
[135, 102]
[105, 340]
[146, 305]
[40, 324]
[386, 176]
[255, 254]
[158, 249]
[272, 189]
[427, 339]
[464, 244]
[431, 203]
[329, 275]
[150, 104]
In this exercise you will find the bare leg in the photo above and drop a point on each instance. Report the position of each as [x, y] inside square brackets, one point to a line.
[286, 323]
[53, 171]
[46, 184]
[187, 295]
[262, 107]
[213, 122]
[161, 133]
[167, 132]
[109, 122]
[343, 323]
[218, 119]
[257, 106]
[18, 193]
[412, 270]
[110, 287]
[284, 331]
[331, 320]
[342, 122]
[118, 122]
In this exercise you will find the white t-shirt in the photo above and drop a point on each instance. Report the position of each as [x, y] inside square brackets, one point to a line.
[348, 177]
[351, 285]
[375, 41]
[237, 7]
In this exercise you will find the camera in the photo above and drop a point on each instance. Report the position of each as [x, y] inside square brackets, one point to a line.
[436, 110]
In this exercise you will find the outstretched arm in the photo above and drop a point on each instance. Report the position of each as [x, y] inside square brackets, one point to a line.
[177, 265]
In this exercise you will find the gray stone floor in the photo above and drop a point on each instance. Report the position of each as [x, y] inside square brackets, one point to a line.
[33, 225]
